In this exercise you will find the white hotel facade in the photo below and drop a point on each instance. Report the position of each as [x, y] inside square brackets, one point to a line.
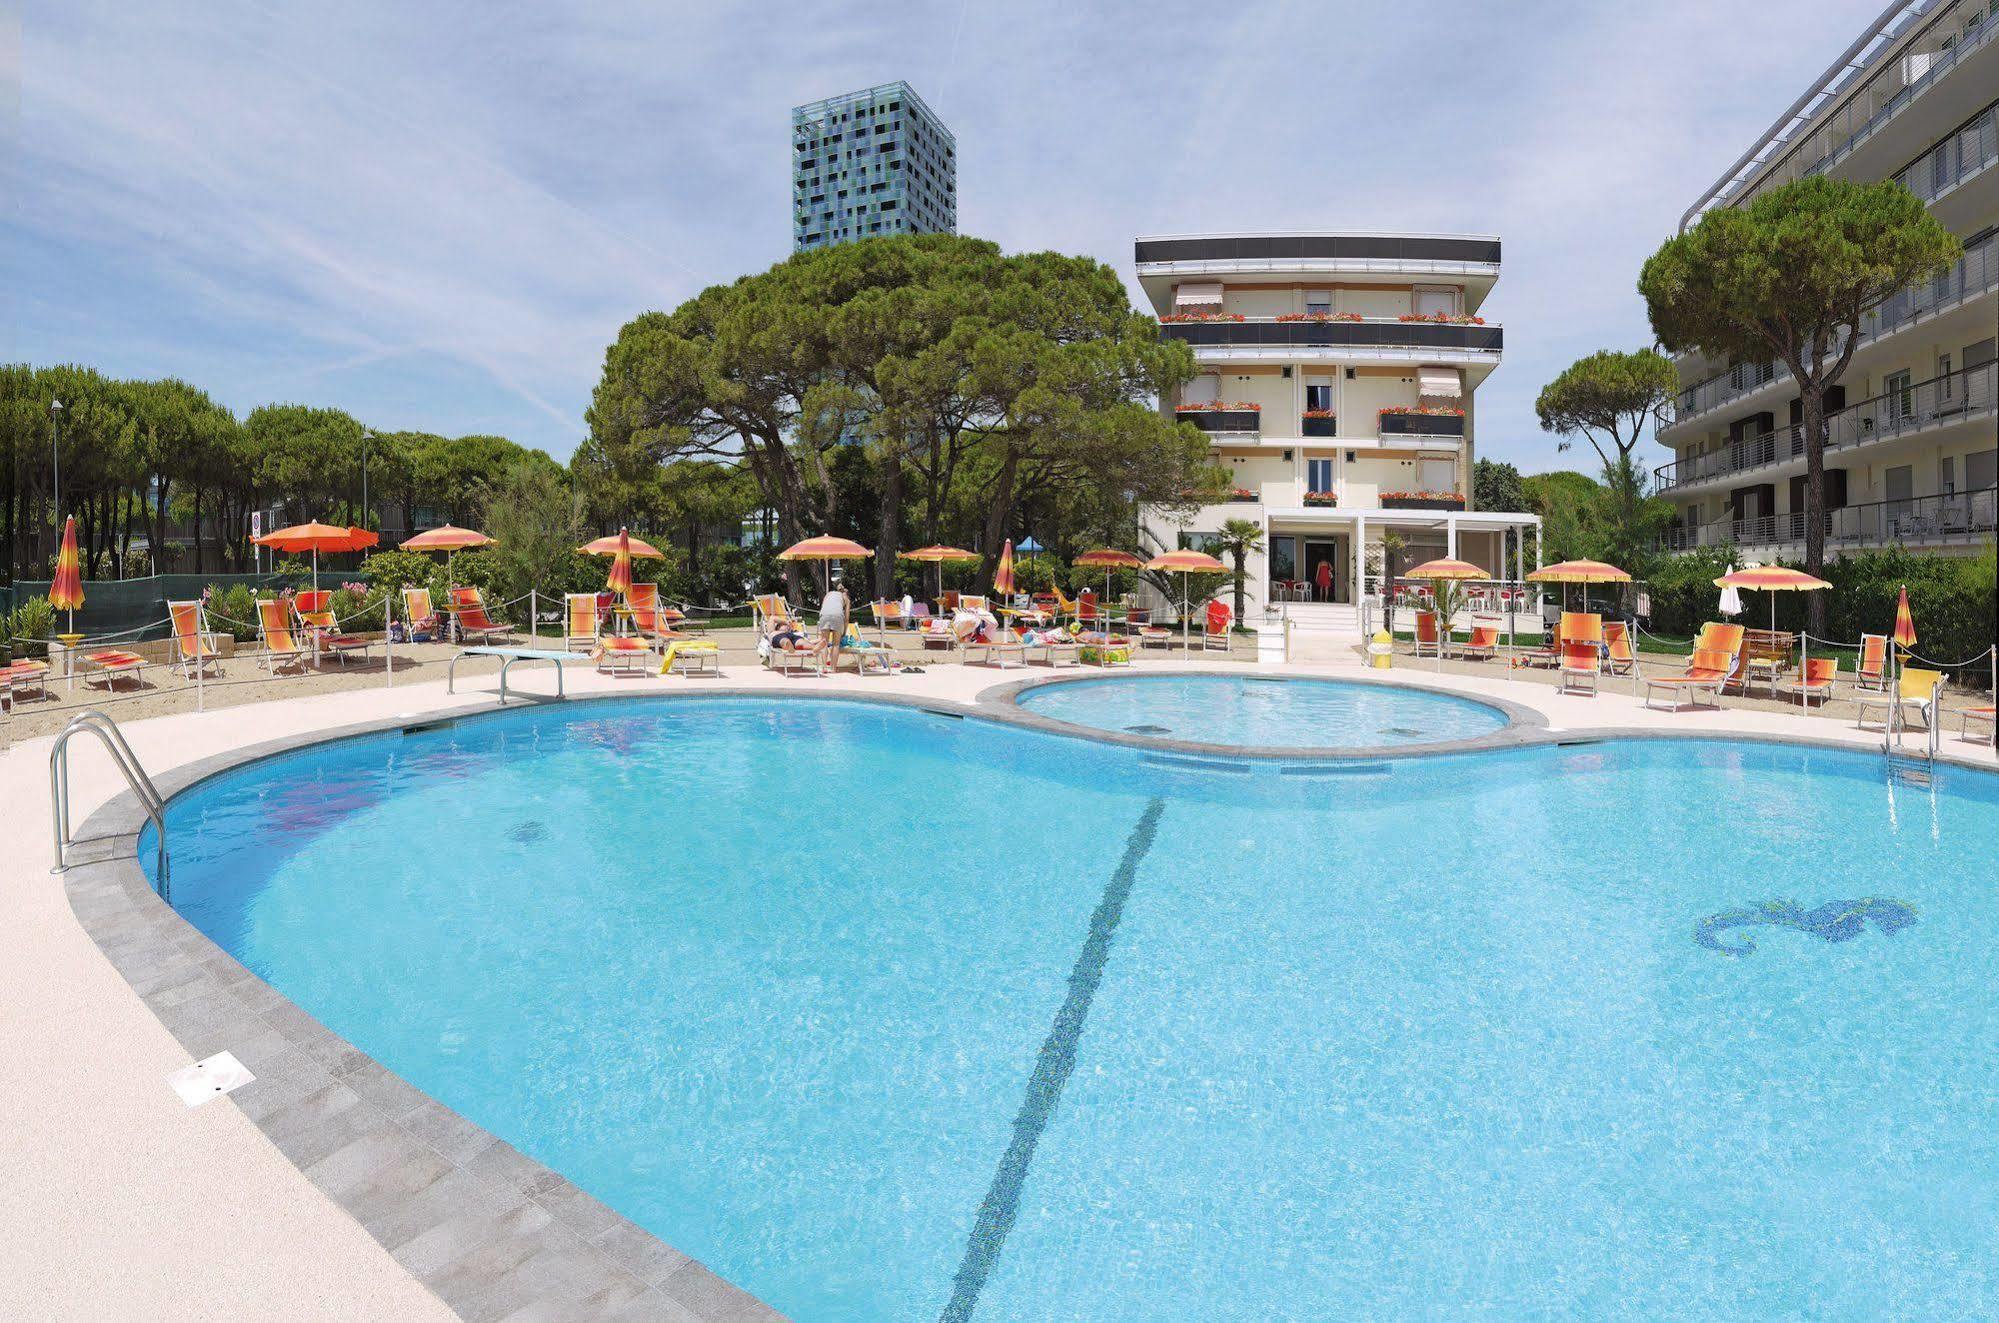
[1912, 431]
[1336, 382]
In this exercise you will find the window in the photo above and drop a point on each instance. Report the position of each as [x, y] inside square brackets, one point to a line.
[1944, 382]
[1430, 300]
[1899, 484]
[1319, 395]
[1199, 542]
[1319, 475]
[1318, 302]
[1947, 475]
[1981, 470]
[1900, 400]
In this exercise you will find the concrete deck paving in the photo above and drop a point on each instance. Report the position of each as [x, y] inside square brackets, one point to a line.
[120, 1202]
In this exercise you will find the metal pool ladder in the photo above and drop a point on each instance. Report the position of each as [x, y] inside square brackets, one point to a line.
[106, 730]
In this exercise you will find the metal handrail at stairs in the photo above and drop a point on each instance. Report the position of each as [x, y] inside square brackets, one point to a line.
[107, 732]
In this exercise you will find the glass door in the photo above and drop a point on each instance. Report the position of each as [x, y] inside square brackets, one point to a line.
[1328, 575]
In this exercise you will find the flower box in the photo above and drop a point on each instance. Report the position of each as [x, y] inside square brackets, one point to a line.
[1173, 318]
[1443, 319]
[1318, 317]
[1322, 498]
[1242, 496]
[1422, 501]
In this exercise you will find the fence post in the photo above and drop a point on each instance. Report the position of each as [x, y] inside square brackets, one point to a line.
[200, 663]
[388, 640]
[534, 638]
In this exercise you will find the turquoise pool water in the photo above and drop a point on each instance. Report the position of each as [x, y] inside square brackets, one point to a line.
[886, 1015]
[1247, 710]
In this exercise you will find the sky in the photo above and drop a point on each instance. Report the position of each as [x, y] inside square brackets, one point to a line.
[437, 216]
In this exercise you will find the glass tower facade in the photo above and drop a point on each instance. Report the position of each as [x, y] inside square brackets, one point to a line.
[877, 161]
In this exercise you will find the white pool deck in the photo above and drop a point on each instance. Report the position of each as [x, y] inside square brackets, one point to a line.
[119, 1202]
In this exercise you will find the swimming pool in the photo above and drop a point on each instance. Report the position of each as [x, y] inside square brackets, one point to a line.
[1274, 713]
[884, 1014]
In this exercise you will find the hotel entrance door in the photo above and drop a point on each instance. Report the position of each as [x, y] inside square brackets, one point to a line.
[1329, 569]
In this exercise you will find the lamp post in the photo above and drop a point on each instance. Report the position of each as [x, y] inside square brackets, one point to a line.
[366, 437]
[55, 451]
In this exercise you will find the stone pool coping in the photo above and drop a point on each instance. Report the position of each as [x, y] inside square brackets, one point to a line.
[487, 1229]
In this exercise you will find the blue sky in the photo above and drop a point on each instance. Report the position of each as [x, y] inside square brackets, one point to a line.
[436, 216]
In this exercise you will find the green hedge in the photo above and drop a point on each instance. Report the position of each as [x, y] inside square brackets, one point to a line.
[1955, 600]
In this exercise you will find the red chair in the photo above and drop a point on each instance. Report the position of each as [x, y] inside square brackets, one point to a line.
[1215, 633]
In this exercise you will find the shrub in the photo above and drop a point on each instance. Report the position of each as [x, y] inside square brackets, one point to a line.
[27, 628]
[232, 610]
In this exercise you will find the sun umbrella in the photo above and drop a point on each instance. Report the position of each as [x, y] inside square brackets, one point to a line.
[620, 580]
[66, 593]
[1185, 563]
[450, 540]
[1772, 579]
[1905, 623]
[317, 537]
[1450, 570]
[937, 555]
[611, 543]
[1108, 559]
[825, 549]
[1579, 571]
[1003, 573]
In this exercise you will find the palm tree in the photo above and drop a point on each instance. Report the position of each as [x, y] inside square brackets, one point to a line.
[1237, 540]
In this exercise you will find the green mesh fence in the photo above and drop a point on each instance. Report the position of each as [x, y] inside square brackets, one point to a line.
[117, 606]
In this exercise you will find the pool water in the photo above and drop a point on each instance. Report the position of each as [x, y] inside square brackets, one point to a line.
[888, 1015]
[1249, 711]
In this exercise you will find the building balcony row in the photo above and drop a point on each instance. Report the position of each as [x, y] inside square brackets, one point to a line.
[1349, 337]
[1224, 421]
[1394, 253]
[1956, 397]
[1972, 276]
[1957, 518]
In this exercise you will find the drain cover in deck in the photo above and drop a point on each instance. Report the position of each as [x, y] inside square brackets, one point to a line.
[219, 1074]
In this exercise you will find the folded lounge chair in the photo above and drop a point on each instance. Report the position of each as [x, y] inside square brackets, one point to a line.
[1705, 673]
[1427, 642]
[1872, 672]
[1618, 656]
[661, 621]
[195, 647]
[1581, 663]
[274, 636]
[582, 626]
[468, 606]
[1987, 714]
[1814, 681]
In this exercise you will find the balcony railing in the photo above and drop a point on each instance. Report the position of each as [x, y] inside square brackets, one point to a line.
[1973, 148]
[1261, 249]
[1373, 332]
[1976, 273]
[1422, 424]
[1240, 422]
[1966, 393]
[1919, 520]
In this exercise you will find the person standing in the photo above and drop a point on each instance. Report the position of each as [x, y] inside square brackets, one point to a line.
[832, 625]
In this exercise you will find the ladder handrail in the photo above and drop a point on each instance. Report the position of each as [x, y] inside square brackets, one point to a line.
[108, 734]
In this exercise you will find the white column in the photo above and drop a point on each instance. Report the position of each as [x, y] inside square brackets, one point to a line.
[1451, 536]
[1359, 558]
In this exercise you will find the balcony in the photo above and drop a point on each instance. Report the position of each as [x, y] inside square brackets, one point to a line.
[1386, 252]
[1422, 424]
[1962, 517]
[1268, 337]
[1971, 149]
[1966, 393]
[1224, 422]
[1422, 501]
[1971, 276]
[1320, 425]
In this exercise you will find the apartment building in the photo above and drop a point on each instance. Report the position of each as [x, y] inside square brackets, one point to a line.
[1337, 374]
[1912, 431]
[877, 161]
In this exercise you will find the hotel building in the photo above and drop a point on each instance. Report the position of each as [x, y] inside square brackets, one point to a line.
[1336, 382]
[1911, 456]
[877, 161]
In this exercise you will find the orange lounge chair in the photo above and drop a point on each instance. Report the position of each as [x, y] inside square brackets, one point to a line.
[1705, 673]
[1580, 661]
[1086, 608]
[623, 652]
[195, 647]
[1618, 656]
[647, 617]
[24, 675]
[886, 613]
[995, 649]
[419, 616]
[1215, 627]
[581, 625]
[1427, 642]
[770, 609]
[1814, 681]
[468, 607]
[314, 609]
[114, 662]
[1872, 672]
[1483, 643]
[274, 635]
[1988, 714]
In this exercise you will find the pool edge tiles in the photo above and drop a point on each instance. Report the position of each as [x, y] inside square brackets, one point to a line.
[1519, 726]
[486, 1228]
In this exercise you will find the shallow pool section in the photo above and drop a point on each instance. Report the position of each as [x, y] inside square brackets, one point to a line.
[1248, 711]
[886, 1015]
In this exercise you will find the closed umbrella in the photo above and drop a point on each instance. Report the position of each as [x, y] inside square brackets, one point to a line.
[1731, 600]
[1185, 563]
[1003, 573]
[66, 593]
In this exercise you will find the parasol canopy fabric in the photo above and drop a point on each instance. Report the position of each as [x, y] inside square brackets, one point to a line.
[1445, 569]
[447, 538]
[1771, 578]
[620, 580]
[1109, 558]
[938, 555]
[1905, 621]
[317, 537]
[1187, 562]
[608, 546]
[66, 593]
[1003, 572]
[1579, 571]
[825, 547]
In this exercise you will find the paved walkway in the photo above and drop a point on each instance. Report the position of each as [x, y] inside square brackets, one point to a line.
[121, 1203]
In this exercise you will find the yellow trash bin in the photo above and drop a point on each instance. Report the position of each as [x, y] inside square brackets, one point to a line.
[1380, 650]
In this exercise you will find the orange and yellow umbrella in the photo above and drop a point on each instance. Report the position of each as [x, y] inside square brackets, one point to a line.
[1003, 572]
[1772, 579]
[317, 537]
[620, 580]
[66, 593]
[610, 543]
[1446, 569]
[825, 549]
[450, 540]
[937, 555]
[1185, 563]
[1109, 558]
[1580, 571]
[1905, 623]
